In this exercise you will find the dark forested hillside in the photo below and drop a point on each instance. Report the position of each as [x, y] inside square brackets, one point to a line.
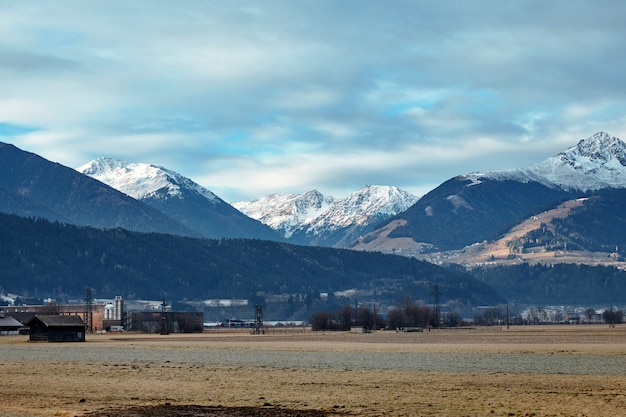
[15, 203]
[460, 212]
[54, 259]
[561, 284]
[599, 224]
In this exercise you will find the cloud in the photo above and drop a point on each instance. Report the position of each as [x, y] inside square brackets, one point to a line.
[251, 98]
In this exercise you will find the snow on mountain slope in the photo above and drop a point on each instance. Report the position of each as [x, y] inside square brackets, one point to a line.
[286, 212]
[142, 181]
[34, 186]
[312, 214]
[371, 203]
[178, 197]
[594, 163]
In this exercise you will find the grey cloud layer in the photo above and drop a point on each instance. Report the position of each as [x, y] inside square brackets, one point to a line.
[248, 97]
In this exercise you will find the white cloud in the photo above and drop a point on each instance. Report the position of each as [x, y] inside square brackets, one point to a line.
[250, 98]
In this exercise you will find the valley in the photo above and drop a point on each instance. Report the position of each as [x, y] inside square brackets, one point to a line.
[528, 216]
[525, 370]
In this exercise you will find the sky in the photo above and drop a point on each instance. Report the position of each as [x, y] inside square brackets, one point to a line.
[249, 98]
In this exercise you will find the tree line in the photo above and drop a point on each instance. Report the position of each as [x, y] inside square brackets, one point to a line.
[411, 315]
[406, 315]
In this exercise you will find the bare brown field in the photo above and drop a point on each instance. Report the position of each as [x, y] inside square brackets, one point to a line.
[522, 371]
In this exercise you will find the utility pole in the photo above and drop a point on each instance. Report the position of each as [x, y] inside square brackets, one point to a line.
[375, 326]
[437, 294]
[89, 308]
[164, 330]
[258, 319]
[507, 315]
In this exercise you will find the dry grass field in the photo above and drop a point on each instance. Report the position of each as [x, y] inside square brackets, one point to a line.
[522, 371]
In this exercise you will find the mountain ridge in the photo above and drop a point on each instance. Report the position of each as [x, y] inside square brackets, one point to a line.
[313, 219]
[46, 259]
[477, 207]
[594, 163]
[178, 197]
[35, 186]
[285, 213]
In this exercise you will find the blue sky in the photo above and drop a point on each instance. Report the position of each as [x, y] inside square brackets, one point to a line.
[249, 98]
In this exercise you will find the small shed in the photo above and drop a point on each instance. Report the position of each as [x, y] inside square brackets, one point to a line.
[55, 328]
[8, 325]
[359, 329]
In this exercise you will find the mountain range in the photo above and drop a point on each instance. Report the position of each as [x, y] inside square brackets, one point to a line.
[314, 219]
[465, 210]
[559, 209]
[306, 219]
[482, 207]
[151, 198]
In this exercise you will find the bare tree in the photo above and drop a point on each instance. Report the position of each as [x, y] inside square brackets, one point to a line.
[396, 318]
[52, 308]
[346, 317]
[452, 319]
[613, 317]
[322, 321]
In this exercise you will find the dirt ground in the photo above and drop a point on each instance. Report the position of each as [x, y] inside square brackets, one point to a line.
[522, 371]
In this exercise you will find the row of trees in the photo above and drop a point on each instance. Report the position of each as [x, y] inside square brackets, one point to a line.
[408, 315]
[348, 317]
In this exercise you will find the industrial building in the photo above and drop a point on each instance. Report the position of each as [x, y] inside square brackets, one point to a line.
[110, 315]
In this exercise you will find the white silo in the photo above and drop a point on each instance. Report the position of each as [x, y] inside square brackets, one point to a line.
[119, 308]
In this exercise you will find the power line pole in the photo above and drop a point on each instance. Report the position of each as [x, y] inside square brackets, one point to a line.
[507, 315]
[164, 330]
[89, 308]
[436, 293]
[258, 319]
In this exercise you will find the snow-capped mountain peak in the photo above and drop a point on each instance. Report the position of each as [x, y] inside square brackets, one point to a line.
[600, 148]
[286, 212]
[179, 197]
[142, 181]
[370, 203]
[594, 163]
[312, 216]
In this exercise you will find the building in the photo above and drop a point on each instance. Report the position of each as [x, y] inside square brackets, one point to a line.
[115, 315]
[98, 315]
[56, 328]
[8, 325]
[166, 322]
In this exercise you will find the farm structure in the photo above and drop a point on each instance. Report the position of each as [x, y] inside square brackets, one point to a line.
[8, 325]
[97, 316]
[114, 315]
[55, 328]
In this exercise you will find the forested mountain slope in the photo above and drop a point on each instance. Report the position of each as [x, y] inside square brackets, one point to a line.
[53, 259]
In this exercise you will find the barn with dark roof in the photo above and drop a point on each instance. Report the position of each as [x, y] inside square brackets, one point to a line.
[55, 328]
